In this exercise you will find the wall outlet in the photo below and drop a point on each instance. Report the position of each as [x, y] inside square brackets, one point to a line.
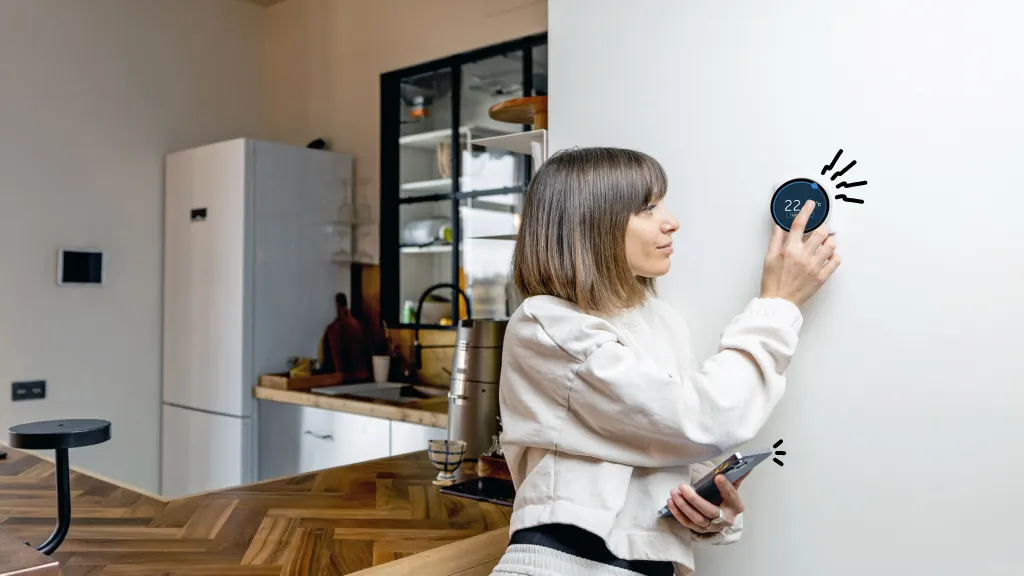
[32, 390]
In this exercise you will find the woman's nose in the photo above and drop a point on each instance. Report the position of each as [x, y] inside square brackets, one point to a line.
[670, 224]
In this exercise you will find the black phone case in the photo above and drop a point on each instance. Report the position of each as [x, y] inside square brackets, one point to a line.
[706, 487]
[709, 491]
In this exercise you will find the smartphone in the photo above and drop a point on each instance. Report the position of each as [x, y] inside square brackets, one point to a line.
[733, 467]
[487, 489]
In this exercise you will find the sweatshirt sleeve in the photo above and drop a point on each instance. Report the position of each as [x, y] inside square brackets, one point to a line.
[622, 408]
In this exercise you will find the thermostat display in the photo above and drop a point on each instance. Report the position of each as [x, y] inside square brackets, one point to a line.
[790, 198]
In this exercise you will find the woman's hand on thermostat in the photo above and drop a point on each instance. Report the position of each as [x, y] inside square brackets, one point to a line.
[794, 268]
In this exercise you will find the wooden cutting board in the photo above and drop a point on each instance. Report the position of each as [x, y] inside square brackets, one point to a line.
[284, 382]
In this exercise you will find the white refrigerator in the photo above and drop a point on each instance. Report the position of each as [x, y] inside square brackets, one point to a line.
[252, 231]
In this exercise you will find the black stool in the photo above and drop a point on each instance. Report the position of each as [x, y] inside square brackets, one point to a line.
[59, 435]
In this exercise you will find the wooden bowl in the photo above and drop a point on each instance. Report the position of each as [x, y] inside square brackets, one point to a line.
[532, 110]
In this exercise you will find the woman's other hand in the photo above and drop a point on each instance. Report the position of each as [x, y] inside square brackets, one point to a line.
[794, 268]
[698, 514]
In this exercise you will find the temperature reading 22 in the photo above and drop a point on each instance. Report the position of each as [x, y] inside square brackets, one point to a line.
[794, 205]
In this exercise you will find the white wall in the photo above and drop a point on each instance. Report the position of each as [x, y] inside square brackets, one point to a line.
[904, 408]
[93, 94]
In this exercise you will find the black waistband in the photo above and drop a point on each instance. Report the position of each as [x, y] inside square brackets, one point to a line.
[583, 544]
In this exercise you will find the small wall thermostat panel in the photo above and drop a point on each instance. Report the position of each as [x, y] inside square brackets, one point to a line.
[790, 198]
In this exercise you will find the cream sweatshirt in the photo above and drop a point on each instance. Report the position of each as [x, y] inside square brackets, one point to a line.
[602, 417]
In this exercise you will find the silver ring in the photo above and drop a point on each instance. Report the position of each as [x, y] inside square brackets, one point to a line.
[719, 520]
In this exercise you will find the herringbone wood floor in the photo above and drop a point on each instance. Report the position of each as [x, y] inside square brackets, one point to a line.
[332, 522]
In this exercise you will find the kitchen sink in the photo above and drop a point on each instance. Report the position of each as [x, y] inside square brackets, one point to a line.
[388, 391]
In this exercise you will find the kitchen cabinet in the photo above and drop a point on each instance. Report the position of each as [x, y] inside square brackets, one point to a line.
[294, 439]
[406, 437]
[360, 438]
[317, 445]
[298, 439]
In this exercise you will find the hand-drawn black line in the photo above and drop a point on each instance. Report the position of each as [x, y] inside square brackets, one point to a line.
[846, 198]
[843, 171]
[845, 184]
[778, 452]
[831, 165]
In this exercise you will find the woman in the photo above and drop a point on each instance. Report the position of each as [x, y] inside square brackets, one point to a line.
[606, 414]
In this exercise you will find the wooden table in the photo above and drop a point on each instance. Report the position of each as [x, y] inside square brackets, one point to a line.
[378, 515]
[16, 559]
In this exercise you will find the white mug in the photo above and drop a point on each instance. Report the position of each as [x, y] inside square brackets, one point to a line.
[381, 368]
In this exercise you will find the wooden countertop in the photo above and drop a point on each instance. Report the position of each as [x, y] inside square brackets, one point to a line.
[428, 412]
[374, 515]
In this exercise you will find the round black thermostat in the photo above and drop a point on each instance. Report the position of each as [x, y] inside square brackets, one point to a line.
[790, 198]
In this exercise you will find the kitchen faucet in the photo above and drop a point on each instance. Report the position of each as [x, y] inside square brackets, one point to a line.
[418, 348]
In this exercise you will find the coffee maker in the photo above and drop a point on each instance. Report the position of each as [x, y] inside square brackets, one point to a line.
[473, 410]
[473, 393]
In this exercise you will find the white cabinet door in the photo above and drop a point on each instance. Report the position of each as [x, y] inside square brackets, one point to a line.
[300, 439]
[318, 445]
[360, 438]
[407, 437]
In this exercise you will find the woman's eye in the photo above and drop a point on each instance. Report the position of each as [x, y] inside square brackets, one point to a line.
[650, 208]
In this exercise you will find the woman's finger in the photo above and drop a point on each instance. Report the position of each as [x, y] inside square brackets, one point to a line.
[730, 496]
[682, 517]
[830, 267]
[796, 229]
[825, 251]
[817, 239]
[687, 508]
[775, 243]
[705, 508]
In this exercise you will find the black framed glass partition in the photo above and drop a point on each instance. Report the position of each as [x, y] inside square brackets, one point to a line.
[448, 206]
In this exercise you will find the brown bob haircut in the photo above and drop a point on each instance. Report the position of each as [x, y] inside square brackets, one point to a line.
[571, 240]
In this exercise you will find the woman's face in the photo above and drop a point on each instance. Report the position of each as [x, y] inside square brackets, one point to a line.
[649, 241]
